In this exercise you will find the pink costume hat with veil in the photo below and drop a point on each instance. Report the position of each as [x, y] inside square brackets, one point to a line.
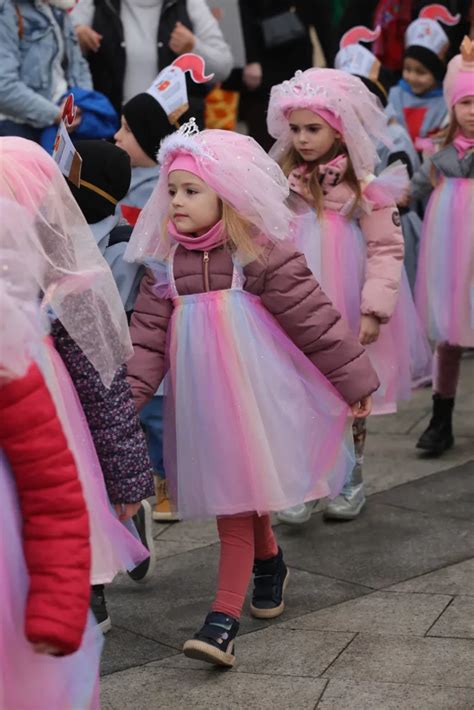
[74, 283]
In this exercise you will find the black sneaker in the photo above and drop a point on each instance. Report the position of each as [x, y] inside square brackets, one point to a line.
[143, 524]
[99, 608]
[270, 580]
[214, 642]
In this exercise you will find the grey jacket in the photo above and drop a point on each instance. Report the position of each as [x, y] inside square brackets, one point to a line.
[28, 47]
[445, 162]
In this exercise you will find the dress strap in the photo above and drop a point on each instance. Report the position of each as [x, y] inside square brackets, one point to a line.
[172, 282]
[238, 278]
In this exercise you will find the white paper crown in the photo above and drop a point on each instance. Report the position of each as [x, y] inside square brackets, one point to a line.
[427, 32]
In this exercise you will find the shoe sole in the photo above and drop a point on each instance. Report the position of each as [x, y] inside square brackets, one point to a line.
[105, 625]
[297, 521]
[271, 613]
[435, 451]
[345, 516]
[165, 517]
[202, 651]
[150, 544]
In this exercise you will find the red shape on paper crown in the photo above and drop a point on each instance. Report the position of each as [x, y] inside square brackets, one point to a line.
[358, 34]
[440, 13]
[195, 65]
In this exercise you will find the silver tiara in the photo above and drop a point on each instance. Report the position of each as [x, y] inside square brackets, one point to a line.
[189, 129]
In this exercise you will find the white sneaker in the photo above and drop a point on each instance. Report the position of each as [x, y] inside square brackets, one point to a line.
[347, 505]
[298, 514]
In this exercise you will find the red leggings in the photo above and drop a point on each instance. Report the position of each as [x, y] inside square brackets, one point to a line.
[243, 538]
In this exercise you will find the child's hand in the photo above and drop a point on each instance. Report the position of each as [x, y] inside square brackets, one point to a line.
[405, 199]
[47, 649]
[369, 329]
[125, 511]
[362, 409]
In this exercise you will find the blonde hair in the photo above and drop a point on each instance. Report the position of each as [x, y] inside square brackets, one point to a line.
[292, 159]
[445, 138]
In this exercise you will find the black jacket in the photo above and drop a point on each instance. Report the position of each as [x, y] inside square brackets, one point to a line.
[108, 64]
[280, 64]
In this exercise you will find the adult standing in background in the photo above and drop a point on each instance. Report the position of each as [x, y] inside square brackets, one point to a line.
[270, 63]
[130, 41]
[40, 60]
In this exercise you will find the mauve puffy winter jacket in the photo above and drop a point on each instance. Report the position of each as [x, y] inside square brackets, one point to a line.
[287, 289]
[55, 522]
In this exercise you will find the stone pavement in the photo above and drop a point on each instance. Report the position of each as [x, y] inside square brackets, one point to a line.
[380, 611]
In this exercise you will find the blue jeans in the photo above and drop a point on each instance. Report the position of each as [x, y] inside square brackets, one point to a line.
[22, 130]
[151, 417]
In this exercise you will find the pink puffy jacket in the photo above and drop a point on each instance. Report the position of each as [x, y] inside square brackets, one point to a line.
[385, 248]
[286, 288]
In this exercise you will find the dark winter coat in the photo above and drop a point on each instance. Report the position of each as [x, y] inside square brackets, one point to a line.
[113, 422]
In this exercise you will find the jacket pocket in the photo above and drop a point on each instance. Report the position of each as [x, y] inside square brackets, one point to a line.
[37, 48]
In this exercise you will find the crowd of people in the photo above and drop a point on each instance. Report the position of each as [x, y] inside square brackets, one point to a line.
[209, 315]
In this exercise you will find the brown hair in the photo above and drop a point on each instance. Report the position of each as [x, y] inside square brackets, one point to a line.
[292, 159]
[445, 138]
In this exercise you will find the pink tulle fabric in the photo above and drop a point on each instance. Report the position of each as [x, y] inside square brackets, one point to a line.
[251, 424]
[363, 122]
[114, 548]
[20, 324]
[28, 680]
[60, 253]
[336, 253]
[236, 168]
[445, 280]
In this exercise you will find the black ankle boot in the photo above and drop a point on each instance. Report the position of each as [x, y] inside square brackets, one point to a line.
[438, 437]
[270, 580]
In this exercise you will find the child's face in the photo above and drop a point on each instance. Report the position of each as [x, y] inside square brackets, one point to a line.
[125, 139]
[194, 207]
[312, 136]
[464, 112]
[420, 78]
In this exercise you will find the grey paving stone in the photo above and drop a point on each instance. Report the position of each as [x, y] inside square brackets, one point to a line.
[457, 620]
[204, 531]
[123, 649]
[157, 687]
[392, 460]
[385, 545]
[455, 579]
[405, 659]
[350, 695]
[382, 613]
[172, 606]
[279, 652]
[448, 493]
[169, 548]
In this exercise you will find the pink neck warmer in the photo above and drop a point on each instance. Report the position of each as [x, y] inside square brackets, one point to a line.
[214, 237]
[463, 144]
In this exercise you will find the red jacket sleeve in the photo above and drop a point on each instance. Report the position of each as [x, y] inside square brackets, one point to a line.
[55, 518]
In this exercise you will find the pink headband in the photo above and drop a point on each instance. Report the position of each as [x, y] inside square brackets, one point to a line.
[187, 162]
[328, 116]
[463, 86]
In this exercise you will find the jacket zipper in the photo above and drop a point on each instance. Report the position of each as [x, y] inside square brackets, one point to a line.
[205, 270]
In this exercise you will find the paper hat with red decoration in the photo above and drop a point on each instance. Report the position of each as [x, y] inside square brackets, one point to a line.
[355, 59]
[64, 151]
[169, 87]
[426, 40]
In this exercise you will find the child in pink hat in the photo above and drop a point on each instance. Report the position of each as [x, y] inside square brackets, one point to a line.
[445, 282]
[328, 127]
[259, 369]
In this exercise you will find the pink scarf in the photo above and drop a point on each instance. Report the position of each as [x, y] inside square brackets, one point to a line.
[214, 237]
[463, 144]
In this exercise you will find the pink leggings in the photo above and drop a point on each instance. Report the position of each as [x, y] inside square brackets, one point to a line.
[447, 366]
[243, 538]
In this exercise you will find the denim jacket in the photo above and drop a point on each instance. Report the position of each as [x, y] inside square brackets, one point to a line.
[28, 46]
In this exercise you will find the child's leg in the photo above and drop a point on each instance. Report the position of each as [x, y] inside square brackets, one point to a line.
[236, 534]
[447, 368]
[270, 571]
[348, 504]
[438, 437]
[265, 541]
